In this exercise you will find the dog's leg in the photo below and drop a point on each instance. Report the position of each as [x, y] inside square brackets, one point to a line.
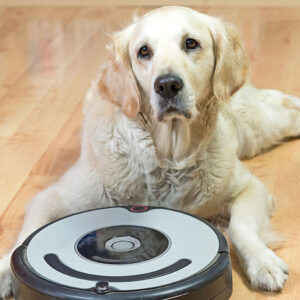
[74, 192]
[282, 113]
[249, 223]
[264, 118]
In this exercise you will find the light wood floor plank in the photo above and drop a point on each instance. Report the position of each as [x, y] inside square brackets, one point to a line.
[29, 71]
[26, 145]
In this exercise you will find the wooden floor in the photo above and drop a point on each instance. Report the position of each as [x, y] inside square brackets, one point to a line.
[48, 57]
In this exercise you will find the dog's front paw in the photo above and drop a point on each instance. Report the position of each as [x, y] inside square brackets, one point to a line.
[267, 271]
[5, 277]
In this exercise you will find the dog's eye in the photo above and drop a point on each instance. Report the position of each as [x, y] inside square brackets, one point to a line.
[191, 44]
[144, 52]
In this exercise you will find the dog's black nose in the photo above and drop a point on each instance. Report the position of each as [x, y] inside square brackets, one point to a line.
[168, 85]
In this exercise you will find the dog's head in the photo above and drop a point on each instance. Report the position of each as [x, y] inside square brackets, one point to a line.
[176, 58]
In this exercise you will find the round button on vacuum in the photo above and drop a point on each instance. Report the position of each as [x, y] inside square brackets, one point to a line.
[122, 244]
[138, 208]
[102, 287]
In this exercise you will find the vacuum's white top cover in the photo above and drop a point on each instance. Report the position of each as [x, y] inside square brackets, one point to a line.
[124, 243]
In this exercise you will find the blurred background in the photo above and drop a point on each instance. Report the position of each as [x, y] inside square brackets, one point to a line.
[50, 51]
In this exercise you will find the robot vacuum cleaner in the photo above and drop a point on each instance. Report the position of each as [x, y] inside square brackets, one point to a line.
[136, 252]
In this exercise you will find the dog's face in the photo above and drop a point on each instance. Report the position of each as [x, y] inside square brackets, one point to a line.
[172, 57]
[176, 58]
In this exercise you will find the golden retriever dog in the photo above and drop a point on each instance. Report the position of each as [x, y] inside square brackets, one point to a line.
[167, 122]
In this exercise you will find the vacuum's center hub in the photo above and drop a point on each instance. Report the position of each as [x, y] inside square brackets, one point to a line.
[122, 244]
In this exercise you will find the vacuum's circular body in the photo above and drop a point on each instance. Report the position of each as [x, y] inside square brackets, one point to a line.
[135, 252]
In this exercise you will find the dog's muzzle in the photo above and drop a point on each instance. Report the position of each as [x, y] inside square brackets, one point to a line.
[170, 101]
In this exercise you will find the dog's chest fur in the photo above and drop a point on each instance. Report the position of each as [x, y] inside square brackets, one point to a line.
[132, 172]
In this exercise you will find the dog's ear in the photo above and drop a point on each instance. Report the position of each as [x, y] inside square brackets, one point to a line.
[232, 62]
[116, 81]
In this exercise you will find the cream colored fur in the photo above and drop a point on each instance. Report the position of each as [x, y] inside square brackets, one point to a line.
[129, 157]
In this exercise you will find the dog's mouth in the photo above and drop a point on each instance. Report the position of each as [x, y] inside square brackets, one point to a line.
[172, 108]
